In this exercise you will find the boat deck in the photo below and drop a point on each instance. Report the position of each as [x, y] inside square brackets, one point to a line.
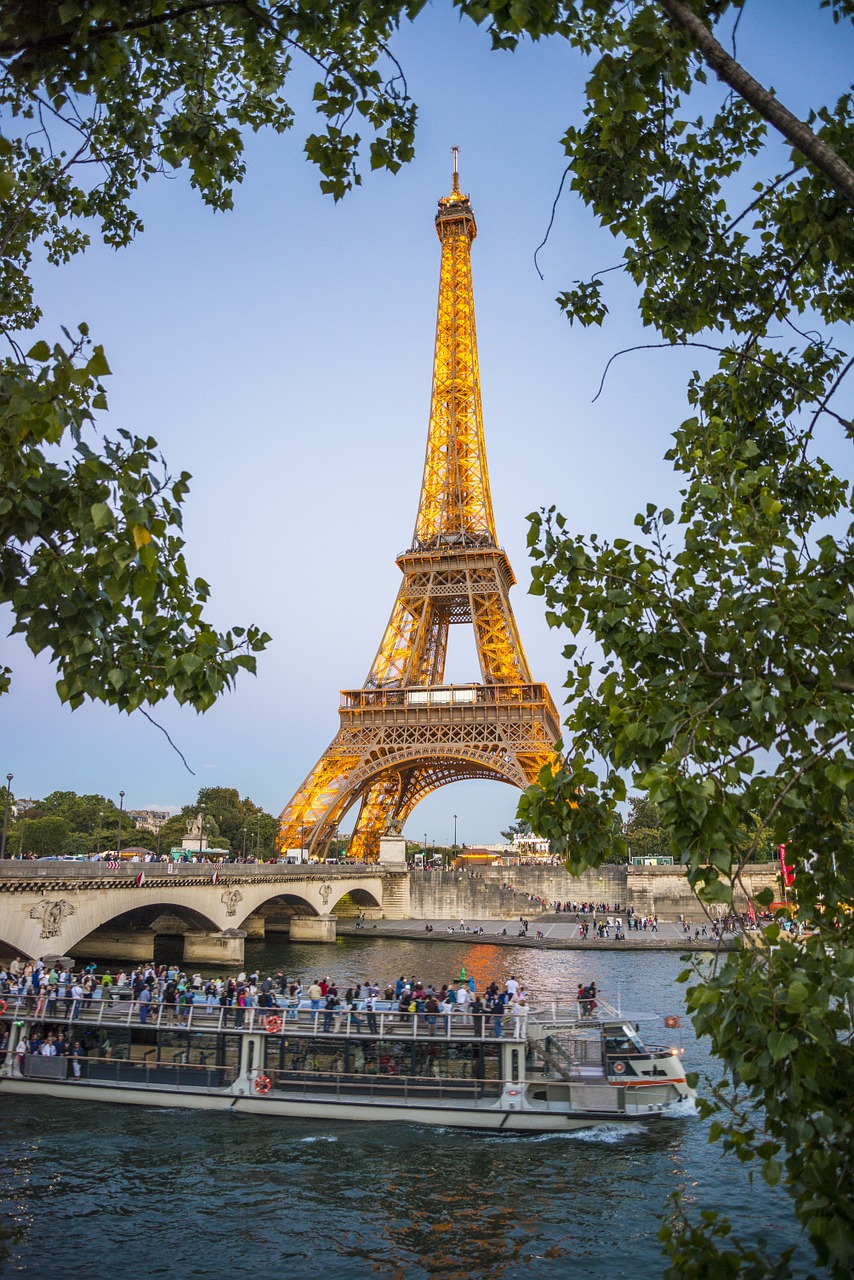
[304, 1021]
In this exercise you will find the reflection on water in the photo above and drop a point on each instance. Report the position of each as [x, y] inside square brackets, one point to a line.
[117, 1192]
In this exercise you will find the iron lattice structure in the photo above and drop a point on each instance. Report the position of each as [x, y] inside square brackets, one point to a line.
[405, 733]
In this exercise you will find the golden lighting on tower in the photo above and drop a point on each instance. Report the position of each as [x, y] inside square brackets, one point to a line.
[405, 732]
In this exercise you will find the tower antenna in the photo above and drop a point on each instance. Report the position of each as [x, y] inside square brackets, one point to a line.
[455, 151]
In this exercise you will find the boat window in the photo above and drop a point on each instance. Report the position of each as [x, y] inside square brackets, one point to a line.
[622, 1040]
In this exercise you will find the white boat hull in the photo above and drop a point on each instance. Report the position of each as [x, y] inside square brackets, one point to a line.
[492, 1117]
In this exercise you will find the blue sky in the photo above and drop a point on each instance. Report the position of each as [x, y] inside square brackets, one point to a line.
[282, 354]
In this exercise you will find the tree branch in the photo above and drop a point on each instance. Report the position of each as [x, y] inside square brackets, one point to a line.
[825, 159]
[12, 48]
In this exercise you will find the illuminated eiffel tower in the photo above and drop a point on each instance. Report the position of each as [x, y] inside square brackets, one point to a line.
[405, 733]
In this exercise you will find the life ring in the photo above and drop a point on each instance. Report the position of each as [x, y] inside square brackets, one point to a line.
[512, 1093]
[2, 1006]
[273, 1023]
[672, 1022]
[262, 1084]
[619, 1068]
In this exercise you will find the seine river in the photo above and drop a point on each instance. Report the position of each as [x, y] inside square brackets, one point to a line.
[132, 1194]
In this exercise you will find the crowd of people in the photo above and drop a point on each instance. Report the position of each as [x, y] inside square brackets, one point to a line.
[54, 996]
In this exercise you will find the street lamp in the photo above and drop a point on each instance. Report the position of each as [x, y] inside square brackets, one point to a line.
[202, 830]
[302, 844]
[9, 777]
[119, 840]
[243, 846]
[455, 834]
[258, 839]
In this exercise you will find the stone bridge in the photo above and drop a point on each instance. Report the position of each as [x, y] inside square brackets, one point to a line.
[193, 913]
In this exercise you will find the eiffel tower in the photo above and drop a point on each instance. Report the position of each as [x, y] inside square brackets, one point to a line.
[405, 732]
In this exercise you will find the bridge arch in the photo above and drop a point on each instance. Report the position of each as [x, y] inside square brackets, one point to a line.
[282, 905]
[354, 902]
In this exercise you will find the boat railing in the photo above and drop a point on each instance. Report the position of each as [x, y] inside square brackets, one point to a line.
[402, 1088]
[116, 1069]
[142, 1073]
[387, 1023]
[576, 1011]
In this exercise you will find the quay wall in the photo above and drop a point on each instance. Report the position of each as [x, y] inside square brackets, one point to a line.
[661, 891]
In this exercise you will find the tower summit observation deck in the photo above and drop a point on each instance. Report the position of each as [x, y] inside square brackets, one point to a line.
[405, 733]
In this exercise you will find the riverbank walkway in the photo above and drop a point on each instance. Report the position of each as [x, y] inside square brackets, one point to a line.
[559, 934]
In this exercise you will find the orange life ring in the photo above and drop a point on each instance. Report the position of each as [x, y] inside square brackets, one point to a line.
[672, 1022]
[619, 1067]
[262, 1084]
[2, 1006]
[273, 1023]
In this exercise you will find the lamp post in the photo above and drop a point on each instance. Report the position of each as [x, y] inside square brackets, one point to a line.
[202, 830]
[258, 839]
[119, 839]
[302, 844]
[243, 846]
[98, 833]
[9, 777]
[455, 835]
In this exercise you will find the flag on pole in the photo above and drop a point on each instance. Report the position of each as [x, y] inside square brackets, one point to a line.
[140, 880]
[787, 872]
[750, 911]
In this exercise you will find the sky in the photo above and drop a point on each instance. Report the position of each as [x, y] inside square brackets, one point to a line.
[282, 353]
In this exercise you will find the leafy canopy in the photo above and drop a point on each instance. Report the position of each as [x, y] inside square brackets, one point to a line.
[720, 676]
[97, 97]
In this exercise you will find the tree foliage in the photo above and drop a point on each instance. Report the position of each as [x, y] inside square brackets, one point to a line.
[237, 825]
[96, 98]
[721, 683]
[720, 680]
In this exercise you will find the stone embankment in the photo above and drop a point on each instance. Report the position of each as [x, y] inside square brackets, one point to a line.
[506, 893]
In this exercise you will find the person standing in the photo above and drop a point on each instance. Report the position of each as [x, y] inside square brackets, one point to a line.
[520, 1017]
[497, 1012]
[477, 1016]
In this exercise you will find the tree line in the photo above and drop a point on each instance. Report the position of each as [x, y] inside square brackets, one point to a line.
[65, 824]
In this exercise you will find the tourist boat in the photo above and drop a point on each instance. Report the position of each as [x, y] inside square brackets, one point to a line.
[562, 1071]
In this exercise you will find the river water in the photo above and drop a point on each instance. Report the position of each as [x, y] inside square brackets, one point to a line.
[130, 1194]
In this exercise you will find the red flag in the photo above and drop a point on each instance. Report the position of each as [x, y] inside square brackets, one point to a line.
[750, 911]
[787, 872]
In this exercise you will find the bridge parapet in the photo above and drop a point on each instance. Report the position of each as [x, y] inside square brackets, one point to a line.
[60, 869]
